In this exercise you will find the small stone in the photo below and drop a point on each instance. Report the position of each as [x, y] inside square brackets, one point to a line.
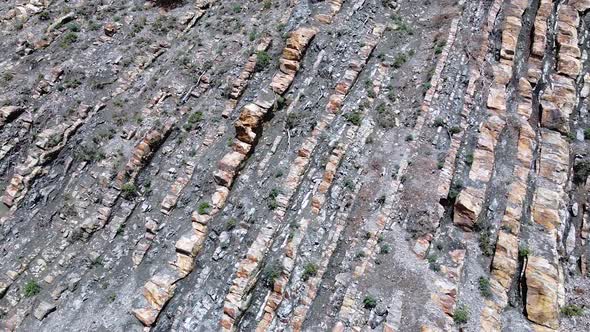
[575, 209]
[110, 29]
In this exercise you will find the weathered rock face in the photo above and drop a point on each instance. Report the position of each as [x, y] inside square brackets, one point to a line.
[290, 59]
[467, 208]
[294, 165]
[541, 300]
[9, 113]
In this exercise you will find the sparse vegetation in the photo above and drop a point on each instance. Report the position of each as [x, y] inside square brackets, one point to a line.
[309, 270]
[432, 264]
[469, 159]
[438, 122]
[231, 224]
[485, 243]
[31, 288]
[128, 190]
[348, 184]
[385, 116]
[193, 120]
[484, 287]
[455, 190]
[369, 302]
[74, 27]
[262, 60]
[252, 35]
[44, 16]
[271, 272]
[524, 251]
[461, 315]
[439, 47]
[454, 130]
[400, 60]
[163, 24]
[272, 199]
[89, 152]
[354, 117]
[204, 208]
[572, 310]
[120, 229]
[581, 171]
[69, 39]
[7, 77]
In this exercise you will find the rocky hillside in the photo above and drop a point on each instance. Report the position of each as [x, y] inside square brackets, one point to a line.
[294, 165]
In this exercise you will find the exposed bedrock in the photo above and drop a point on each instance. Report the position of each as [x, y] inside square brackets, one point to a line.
[325, 165]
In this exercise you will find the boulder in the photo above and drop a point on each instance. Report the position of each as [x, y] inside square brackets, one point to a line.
[158, 290]
[580, 5]
[146, 316]
[467, 207]
[110, 29]
[542, 288]
[43, 309]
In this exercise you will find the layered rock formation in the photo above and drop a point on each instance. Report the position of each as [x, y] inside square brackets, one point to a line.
[294, 165]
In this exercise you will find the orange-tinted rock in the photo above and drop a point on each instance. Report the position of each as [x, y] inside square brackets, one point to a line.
[542, 294]
[467, 208]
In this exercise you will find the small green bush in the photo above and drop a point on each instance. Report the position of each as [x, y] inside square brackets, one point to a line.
[461, 315]
[69, 39]
[309, 270]
[44, 16]
[484, 287]
[469, 159]
[74, 27]
[370, 302]
[7, 77]
[231, 224]
[195, 117]
[204, 208]
[399, 61]
[128, 190]
[455, 130]
[524, 251]
[272, 199]
[438, 49]
[348, 184]
[354, 117]
[32, 288]
[485, 243]
[262, 60]
[438, 122]
[271, 273]
[572, 310]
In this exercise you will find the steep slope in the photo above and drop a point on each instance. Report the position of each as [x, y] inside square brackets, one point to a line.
[361, 165]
